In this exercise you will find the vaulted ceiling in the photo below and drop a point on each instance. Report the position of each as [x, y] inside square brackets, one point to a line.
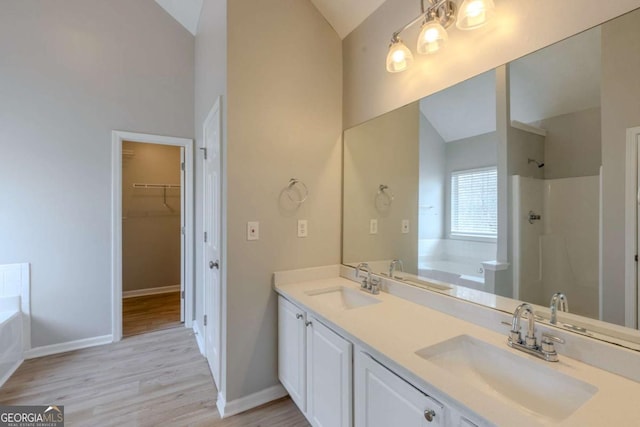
[342, 15]
[560, 79]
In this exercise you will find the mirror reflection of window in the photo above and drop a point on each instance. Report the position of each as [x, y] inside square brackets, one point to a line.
[474, 204]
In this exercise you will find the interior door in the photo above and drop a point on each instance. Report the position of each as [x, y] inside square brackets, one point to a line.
[182, 235]
[636, 320]
[211, 239]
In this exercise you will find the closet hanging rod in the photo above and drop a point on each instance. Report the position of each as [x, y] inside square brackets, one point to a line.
[161, 186]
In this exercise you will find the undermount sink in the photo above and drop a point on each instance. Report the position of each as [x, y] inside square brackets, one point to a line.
[342, 297]
[531, 385]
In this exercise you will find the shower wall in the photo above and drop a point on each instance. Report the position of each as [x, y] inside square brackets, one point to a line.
[559, 252]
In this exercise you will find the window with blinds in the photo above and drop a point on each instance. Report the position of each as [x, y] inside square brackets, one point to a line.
[474, 203]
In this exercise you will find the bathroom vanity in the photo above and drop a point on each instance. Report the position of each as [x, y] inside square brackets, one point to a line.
[350, 358]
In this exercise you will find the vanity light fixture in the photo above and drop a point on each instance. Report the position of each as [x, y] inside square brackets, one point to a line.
[436, 17]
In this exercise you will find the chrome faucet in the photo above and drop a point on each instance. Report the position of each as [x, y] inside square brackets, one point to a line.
[514, 335]
[392, 267]
[546, 350]
[369, 284]
[558, 301]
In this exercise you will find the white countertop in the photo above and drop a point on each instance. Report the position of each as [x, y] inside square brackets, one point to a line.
[396, 328]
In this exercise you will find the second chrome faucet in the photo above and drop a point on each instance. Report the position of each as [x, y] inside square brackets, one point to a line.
[369, 283]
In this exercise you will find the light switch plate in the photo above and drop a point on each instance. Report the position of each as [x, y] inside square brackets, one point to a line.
[253, 230]
[405, 226]
[373, 226]
[302, 228]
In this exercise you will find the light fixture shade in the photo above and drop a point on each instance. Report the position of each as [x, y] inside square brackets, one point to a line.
[432, 37]
[474, 13]
[399, 57]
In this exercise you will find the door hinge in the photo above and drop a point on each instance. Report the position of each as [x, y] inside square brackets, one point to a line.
[205, 320]
[205, 237]
[182, 294]
[636, 257]
[181, 230]
[204, 150]
[182, 166]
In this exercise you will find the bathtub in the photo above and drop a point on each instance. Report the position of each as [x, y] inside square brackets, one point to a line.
[10, 337]
[470, 275]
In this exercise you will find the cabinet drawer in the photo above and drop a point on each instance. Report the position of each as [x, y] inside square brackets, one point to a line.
[384, 399]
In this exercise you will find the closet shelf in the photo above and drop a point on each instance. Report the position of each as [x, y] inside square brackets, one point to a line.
[160, 186]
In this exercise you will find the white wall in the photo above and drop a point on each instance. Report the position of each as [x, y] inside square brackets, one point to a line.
[369, 90]
[71, 73]
[284, 120]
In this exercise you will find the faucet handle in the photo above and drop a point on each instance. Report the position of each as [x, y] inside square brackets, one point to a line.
[547, 343]
[550, 339]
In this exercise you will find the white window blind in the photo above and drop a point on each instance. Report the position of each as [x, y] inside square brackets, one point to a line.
[474, 203]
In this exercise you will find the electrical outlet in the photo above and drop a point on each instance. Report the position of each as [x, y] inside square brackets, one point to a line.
[373, 226]
[405, 226]
[302, 228]
[253, 230]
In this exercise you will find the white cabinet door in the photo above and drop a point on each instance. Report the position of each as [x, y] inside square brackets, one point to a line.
[292, 351]
[329, 366]
[383, 399]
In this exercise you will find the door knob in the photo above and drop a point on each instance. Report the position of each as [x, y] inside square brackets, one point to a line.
[429, 415]
[213, 265]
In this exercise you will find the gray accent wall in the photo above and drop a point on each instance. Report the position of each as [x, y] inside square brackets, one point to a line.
[71, 72]
[384, 151]
[284, 121]
[620, 111]
[573, 144]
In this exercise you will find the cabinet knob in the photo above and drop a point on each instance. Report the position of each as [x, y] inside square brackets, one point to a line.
[429, 415]
[308, 323]
[298, 316]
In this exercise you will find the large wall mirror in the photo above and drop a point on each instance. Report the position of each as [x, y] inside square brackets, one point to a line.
[425, 185]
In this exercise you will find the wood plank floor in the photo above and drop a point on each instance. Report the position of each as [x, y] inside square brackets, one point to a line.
[155, 379]
[150, 313]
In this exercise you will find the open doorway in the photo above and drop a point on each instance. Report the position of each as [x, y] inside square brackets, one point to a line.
[152, 233]
[152, 208]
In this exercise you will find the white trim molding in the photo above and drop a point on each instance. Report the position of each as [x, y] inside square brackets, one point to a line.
[199, 337]
[10, 372]
[64, 347]
[118, 137]
[632, 201]
[150, 291]
[227, 409]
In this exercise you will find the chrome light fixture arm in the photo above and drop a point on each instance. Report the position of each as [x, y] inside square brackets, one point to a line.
[443, 10]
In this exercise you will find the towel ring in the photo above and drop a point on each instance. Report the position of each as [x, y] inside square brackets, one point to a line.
[384, 190]
[302, 196]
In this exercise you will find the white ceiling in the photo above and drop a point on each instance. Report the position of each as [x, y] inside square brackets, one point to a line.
[560, 79]
[345, 15]
[186, 12]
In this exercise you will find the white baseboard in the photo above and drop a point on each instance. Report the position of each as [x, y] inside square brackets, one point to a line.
[63, 347]
[10, 372]
[151, 291]
[199, 336]
[237, 406]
